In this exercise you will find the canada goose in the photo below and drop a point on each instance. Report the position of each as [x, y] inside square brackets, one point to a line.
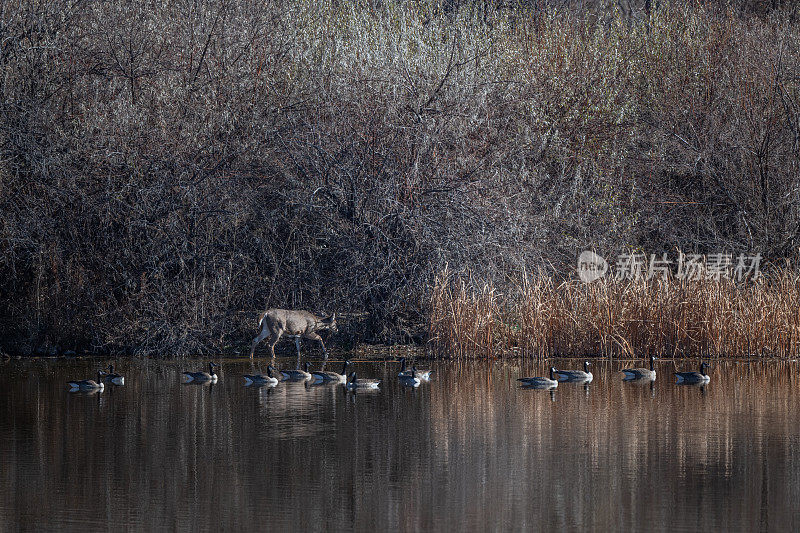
[111, 377]
[261, 379]
[641, 373]
[421, 374]
[410, 380]
[541, 383]
[694, 377]
[202, 377]
[331, 377]
[583, 376]
[361, 384]
[296, 375]
[87, 384]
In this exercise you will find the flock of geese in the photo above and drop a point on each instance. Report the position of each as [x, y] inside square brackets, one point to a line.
[351, 382]
[631, 374]
[406, 377]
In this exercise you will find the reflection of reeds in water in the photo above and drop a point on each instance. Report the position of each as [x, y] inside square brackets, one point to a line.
[468, 451]
[627, 456]
[664, 317]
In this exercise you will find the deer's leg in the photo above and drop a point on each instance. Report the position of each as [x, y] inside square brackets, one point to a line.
[263, 334]
[316, 337]
[324, 351]
[273, 341]
[297, 344]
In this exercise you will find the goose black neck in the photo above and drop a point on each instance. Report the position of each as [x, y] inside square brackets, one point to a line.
[652, 361]
[305, 366]
[552, 373]
[344, 367]
[210, 369]
[586, 366]
[402, 364]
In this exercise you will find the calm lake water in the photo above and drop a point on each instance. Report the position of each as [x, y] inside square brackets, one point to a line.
[468, 451]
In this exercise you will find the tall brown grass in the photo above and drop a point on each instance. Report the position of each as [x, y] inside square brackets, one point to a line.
[665, 317]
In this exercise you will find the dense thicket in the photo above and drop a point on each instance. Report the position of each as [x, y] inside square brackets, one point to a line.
[168, 169]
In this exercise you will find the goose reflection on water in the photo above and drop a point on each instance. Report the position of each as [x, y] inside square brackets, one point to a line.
[642, 383]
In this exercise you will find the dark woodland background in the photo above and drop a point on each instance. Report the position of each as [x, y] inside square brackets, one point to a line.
[169, 169]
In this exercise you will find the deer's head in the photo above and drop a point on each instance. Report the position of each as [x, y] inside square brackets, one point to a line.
[330, 323]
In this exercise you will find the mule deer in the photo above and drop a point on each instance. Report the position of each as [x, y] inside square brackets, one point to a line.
[298, 324]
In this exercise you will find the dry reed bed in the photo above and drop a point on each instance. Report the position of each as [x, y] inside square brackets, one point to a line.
[664, 317]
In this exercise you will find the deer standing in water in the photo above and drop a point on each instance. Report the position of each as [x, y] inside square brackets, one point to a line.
[298, 324]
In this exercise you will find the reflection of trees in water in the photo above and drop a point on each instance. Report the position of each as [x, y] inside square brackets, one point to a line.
[469, 448]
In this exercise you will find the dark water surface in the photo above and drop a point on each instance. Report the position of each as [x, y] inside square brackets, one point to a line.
[468, 451]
